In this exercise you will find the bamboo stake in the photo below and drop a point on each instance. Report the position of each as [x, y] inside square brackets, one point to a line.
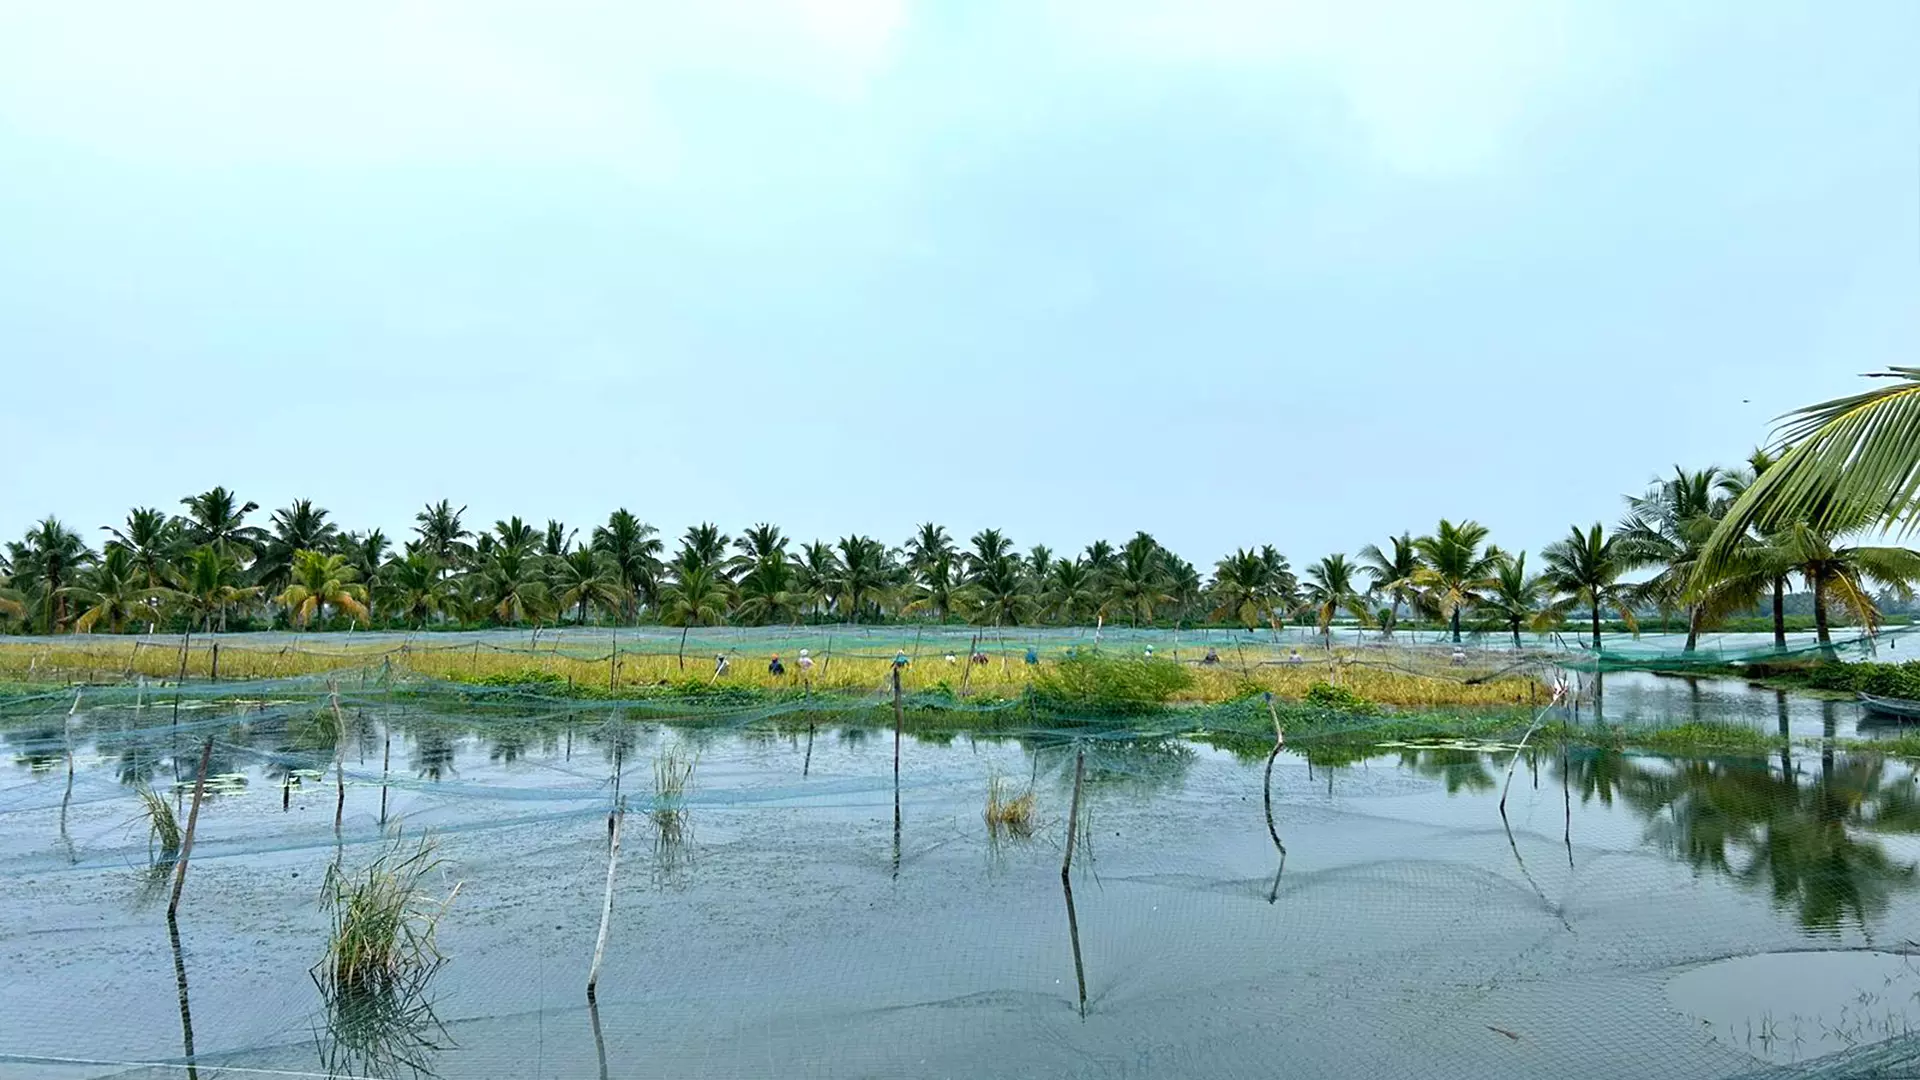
[193, 820]
[339, 771]
[1266, 792]
[1066, 878]
[606, 908]
[897, 717]
[967, 677]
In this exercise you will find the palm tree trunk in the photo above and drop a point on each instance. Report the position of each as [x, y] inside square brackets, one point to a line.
[1824, 634]
[1596, 626]
[1779, 613]
[1693, 628]
[1456, 624]
[1516, 632]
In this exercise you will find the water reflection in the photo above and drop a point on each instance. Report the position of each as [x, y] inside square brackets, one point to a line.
[1813, 843]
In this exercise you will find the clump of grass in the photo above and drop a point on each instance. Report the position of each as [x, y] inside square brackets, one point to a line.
[1094, 682]
[1339, 698]
[163, 828]
[1008, 813]
[384, 923]
[672, 776]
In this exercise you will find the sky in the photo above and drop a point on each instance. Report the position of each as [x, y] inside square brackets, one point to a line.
[1301, 273]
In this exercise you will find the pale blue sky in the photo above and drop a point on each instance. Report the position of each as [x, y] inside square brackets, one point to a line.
[1231, 272]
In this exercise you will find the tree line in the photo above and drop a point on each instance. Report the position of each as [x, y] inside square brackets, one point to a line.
[208, 565]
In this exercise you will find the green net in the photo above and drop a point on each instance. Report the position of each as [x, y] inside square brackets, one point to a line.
[1437, 871]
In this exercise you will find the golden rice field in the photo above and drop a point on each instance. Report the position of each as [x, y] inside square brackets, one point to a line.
[1401, 677]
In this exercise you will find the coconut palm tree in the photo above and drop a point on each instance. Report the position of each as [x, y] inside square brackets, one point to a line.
[766, 590]
[586, 578]
[1586, 568]
[1517, 596]
[1392, 576]
[512, 585]
[515, 535]
[698, 597]
[114, 590]
[934, 586]
[1069, 591]
[1454, 569]
[634, 547]
[817, 571]
[367, 554]
[999, 592]
[759, 544]
[1183, 586]
[928, 544]
[48, 560]
[861, 573]
[989, 547]
[1331, 588]
[1840, 573]
[441, 533]
[557, 540]
[300, 526]
[217, 517]
[413, 586]
[1039, 559]
[207, 583]
[1137, 583]
[704, 545]
[1666, 528]
[1242, 589]
[320, 580]
[1280, 579]
[1100, 558]
[153, 539]
[12, 604]
[1842, 462]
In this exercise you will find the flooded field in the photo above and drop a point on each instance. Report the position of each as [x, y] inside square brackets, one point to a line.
[1644, 916]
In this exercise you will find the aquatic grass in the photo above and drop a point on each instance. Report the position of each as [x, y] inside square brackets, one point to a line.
[382, 939]
[1008, 813]
[672, 776]
[163, 828]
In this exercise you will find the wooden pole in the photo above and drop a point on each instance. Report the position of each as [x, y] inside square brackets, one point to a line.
[1066, 879]
[897, 718]
[967, 677]
[339, 770]
[193, 820]
[613, 664]
[386, 764]
[606, 908]
[1266, 793]
[214, 675]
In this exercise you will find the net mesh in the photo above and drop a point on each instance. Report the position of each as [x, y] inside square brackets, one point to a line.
[1421, 887]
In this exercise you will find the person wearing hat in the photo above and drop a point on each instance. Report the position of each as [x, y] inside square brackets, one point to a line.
[775, 667]
[719, 665]
[806, 662]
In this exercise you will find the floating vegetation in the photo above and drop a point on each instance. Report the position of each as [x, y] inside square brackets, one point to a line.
[672, 775]
[220, 784]
[1007, 813]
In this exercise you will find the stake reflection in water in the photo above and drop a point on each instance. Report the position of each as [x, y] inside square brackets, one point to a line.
[180, 985]
[1066, 877]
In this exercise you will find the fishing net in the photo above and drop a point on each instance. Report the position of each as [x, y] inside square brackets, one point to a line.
[1415, 889]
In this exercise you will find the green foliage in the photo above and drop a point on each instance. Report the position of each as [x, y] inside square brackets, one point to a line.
[1328, 696]
[1094, 682]
[1880, 680]
[532, 678]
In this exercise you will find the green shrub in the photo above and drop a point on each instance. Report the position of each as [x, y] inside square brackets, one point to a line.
[1325, 695]
[523, 678]
[1882, 680]
[1093, 682]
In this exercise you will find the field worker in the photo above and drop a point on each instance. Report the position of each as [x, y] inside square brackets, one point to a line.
[951, 660]
[1033, 656]
[806, 662]
[1459, 657]
[1212, 657]
[1149, 652]
[776, 667]
[719, 665]
[900, 659]
[1293, 657]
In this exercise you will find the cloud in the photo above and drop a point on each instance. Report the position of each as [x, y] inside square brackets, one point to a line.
[1433, 88]
[377, 82]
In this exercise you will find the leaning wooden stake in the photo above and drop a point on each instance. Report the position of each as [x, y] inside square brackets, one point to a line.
[339, 770]
[193, 819]
[896, 767]
[1266, 792]
[1073, 810]
[1066, 878]
[606, 908]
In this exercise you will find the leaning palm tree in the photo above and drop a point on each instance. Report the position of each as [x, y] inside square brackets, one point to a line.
[1392, 576]
[1839, 573]
[1764, 553]
[1454, 568]
[1517, 596]
[1331, 590]
[1850, 460]
[1586, 568]
[320, 580]
[114, 591]
[557, 540]
[1666, 528]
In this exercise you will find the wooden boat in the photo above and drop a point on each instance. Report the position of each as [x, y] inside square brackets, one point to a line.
[1892, 706]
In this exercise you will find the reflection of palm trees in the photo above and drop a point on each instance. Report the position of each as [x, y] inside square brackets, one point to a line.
[1811, 843]
[1458, 769]
[432, 753]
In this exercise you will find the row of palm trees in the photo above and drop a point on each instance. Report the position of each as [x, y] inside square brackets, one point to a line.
[209, 563]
